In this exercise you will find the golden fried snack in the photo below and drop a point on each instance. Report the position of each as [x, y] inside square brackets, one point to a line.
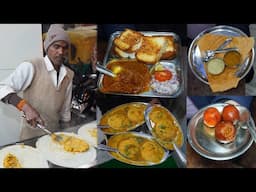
[11, 161]
[130, 148]
[72, 144]
[118, 121]
[157, 115]
[166, 130]
[151, 151]
[136, 114]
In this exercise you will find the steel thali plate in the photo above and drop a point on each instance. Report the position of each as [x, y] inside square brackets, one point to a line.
[194, 55]
[206, 145]
[173, 63]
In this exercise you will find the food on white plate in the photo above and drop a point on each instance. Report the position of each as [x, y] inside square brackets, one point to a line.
[11, 161]
[56, 154]
[91, 133]
[72, 144]
[22, 156]
[215, 66]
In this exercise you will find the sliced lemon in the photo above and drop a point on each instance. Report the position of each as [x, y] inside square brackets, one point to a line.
[116, 69]
[159, 67]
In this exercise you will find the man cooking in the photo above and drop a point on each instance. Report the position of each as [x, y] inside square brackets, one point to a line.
[46, 85]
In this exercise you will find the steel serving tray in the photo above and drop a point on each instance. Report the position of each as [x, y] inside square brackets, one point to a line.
[173, 62]
[165, 144]
[194, 55]
[133, 162]
[206, 145]
[111, 131]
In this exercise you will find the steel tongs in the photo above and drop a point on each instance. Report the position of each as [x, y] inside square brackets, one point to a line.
[206, 56]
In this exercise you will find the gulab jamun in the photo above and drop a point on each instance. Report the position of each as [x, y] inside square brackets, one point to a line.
[230, 113]
[225, 132]
[211, 117]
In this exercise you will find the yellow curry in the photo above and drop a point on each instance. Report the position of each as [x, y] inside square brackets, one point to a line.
[123, 118]
[72, 144]
[165, 127]
[136, 150]
[11, 161]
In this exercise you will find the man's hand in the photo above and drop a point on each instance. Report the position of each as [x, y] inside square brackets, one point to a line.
[31, 115]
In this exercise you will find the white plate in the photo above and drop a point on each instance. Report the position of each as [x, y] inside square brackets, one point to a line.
[29, 157]
[58, 156]
[87, 132]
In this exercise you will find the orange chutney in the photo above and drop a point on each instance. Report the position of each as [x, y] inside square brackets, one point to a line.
[232, 58]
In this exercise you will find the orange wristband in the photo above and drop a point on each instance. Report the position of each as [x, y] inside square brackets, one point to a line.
[21, 104]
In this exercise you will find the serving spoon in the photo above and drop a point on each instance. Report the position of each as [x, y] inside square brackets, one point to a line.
[112, 149]
[222, 46]
[180, 154]
[207, 55]
[56, 137]
[104, 70]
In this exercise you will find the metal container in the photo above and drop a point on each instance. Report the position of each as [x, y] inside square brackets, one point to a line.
[119, 157]
[175, 61]
[166, 144]
[195, 59]
[111, 131]
[205, 144]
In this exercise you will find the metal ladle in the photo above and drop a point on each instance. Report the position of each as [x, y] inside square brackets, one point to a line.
[181, 156]
[222, 46]
[104, 70]
[111, 149]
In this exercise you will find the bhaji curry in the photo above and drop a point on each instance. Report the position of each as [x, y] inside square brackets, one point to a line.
[165, 127]
[72, 144]
[132, 77]
[123, 118]
[136, 149]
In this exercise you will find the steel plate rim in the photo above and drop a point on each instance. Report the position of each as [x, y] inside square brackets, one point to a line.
[144, 135]
[209, 30]
[152, 94]
[218, 158]
[122, 132]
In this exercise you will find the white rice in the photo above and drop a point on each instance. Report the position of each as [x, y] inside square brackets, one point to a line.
[168, 87]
